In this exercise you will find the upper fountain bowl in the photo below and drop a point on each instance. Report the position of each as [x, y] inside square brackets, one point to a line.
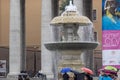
[81, 20]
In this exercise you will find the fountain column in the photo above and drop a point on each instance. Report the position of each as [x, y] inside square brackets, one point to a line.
[17, 38]
[46, 56]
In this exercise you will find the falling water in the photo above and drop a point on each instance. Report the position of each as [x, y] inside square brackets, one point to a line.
[86, 33]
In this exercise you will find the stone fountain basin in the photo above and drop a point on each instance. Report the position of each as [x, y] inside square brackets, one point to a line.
[71, 45]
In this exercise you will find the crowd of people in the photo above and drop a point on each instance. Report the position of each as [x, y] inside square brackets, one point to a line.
[105, 73]
[71, 74]
[77, 76]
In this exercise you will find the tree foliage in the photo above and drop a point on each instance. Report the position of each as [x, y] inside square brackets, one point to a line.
[64, 3]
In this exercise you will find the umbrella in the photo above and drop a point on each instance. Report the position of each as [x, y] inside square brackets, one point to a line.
[75, 72]
[107, 71]
[87, 70]
[110, 68]
[65, 70]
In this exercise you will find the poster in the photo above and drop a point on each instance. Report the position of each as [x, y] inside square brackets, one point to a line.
[111, 32]
[2, 68]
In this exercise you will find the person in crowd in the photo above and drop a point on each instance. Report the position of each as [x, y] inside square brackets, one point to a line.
[83, 76]
[118, 74]
[87, 73]
[39, 74]
[65, 76]
[103, 75]
[113, 75]
[88, 76]
[71, 75]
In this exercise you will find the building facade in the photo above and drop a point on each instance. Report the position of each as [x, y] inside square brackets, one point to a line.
[32, 40]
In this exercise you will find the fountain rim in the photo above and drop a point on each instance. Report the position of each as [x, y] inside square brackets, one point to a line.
[71, 45]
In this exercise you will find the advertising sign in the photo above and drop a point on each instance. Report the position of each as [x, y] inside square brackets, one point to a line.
[111, 32]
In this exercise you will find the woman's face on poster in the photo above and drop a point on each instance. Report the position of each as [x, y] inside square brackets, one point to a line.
[111, 6]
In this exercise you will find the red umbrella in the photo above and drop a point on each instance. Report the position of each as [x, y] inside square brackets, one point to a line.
[87, 70]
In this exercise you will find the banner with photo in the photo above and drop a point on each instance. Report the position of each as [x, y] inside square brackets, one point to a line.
[111, 32]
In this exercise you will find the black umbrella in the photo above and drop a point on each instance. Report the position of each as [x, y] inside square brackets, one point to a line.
[74, 71]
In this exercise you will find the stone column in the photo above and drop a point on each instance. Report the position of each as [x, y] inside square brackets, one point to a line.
[16, 38]
[46, 36]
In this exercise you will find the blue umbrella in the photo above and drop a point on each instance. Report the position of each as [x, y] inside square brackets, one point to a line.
[65, 70]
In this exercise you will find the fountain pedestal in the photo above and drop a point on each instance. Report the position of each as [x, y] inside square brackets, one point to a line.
[70, 59]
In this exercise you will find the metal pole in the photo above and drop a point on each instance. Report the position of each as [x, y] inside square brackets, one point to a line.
[34, 60]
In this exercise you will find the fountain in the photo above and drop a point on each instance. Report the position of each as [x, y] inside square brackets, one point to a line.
[73, 36]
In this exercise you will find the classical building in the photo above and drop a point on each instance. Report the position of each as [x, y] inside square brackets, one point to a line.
[35, 10]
